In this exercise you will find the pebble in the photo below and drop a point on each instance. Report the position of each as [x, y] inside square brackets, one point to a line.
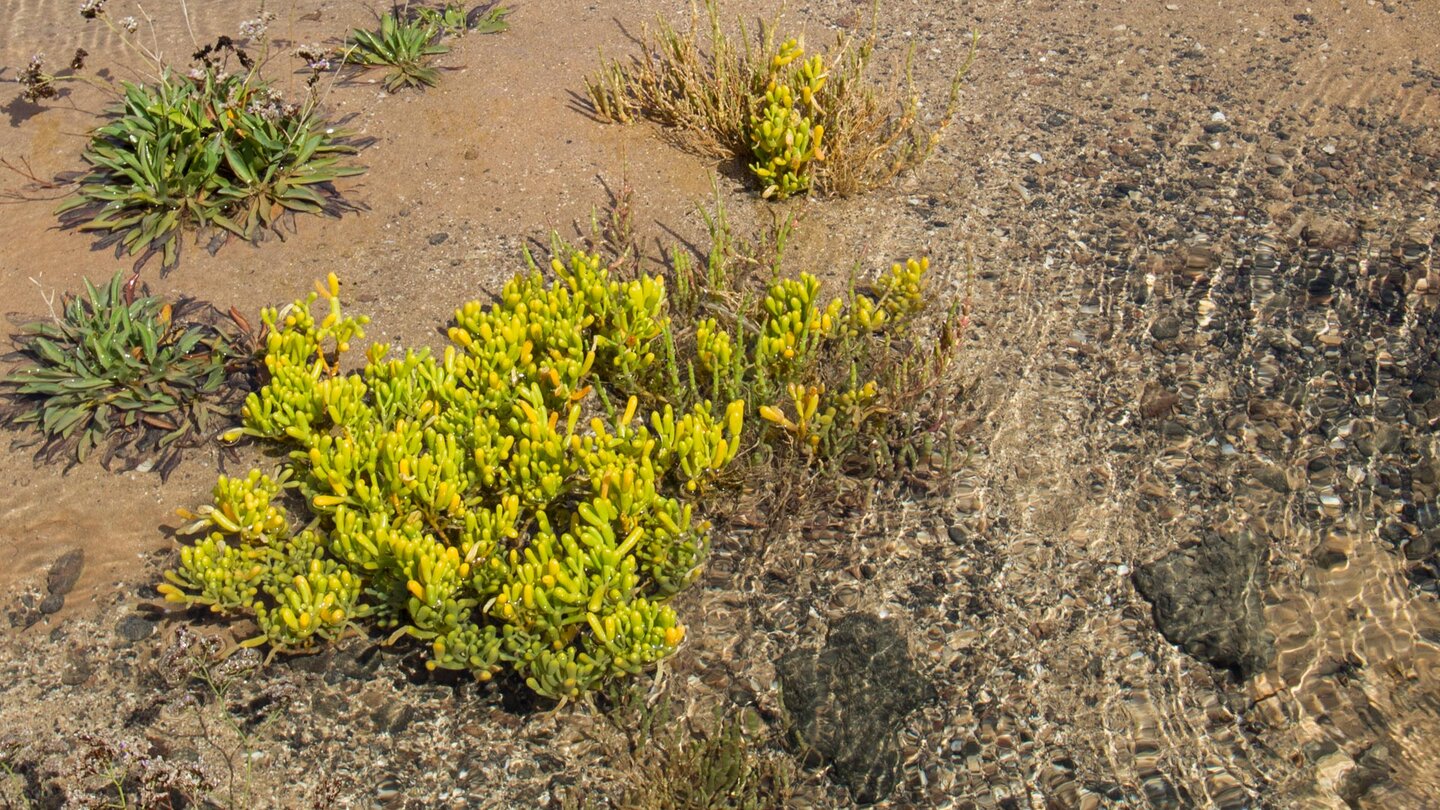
[389, 790]
[1166, 327]
[134, 628]
[65, 572]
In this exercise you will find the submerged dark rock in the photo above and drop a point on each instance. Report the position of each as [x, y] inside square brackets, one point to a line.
[1207, 601]
[848, 699]
[65, 572]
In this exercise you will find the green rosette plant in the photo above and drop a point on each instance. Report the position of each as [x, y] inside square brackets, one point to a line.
[130, 374]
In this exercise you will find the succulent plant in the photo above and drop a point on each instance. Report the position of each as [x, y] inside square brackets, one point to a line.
[785, 136]
[791, 370]
[465, 500]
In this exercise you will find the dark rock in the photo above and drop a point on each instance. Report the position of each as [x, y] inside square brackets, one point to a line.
[24, 618]
[1157, 401]
[316, 663]
[1165, 328]
[134, 628]
[848, 699]
[438, 238]
[65, 572]
[1273, 477]
[330, 705]
[1372, 770]
[1207, 599]
[355, 661]
[52, 603]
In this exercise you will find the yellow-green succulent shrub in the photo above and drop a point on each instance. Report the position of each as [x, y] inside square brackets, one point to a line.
[486, 500]
[803, 363]
[899, 294]
[785, 131]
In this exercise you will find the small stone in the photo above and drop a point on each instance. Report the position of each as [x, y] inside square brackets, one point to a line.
[1157, 401]
[25, 613]
[134, 628]
[1165, 328]
[1328, 233]
[389, 790]
[52, 604]
[393, 718]
[438, 238]
[65, 572]
[1273, 477]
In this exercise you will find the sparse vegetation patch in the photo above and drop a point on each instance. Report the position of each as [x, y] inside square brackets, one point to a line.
[408, 37]
[529, 499]
[819, 124]
[216, 149]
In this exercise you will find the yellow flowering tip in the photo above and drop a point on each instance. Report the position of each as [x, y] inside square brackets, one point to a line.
[770, 414]
[430, 665]
[334, 283]
[415, 590]
[325, 501]
[721, 450]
